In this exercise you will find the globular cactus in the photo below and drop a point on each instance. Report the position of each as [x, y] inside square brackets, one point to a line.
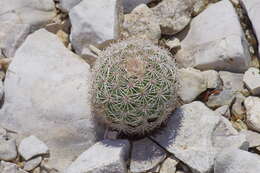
[135, 86]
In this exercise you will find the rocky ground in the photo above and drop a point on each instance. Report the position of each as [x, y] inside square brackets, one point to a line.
[47, 50]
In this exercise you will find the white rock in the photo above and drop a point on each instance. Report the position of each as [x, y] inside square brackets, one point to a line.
[237, 161]
[252, 105]
[11, 37]
[215, 41]
[142, 22]
[252, 137]
[95, 22]
[252, 80]
[7, 167]
[31, 147]
[252, 8]
[188, 142]
[232, 81]
[193, 82]
[224, 111]
[217, 100]
[169, 165]
[49, 85]
[67, 5]
[8, 150]
[173, 15]
[32, 12]
[129, 5]
[145, 155]
[174, 44]
[107, 156]
[33, 163]
[199, 6]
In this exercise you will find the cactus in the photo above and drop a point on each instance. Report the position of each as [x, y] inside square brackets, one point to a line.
[135, 86]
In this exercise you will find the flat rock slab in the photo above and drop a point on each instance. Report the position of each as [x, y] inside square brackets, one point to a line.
[252, 8]
[47, 95]
[237, 161]
[215, 41]
[34, 13]
[187, 142]
[107, 156]
[145, 155]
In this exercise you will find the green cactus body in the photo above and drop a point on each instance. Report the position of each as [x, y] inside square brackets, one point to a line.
[135, 86]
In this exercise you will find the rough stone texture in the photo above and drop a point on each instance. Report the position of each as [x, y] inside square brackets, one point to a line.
[107, 156]
[232, 81]
[217, 100]
[32, 12]
[49, 85]
[142, 22]
[95, 22]
[253, 138]
[31, 147]
[224, 111]
[33, 163]
[11, 37]
[193, 82]
[252, 105]
[252, 8]
[67, 5]
[215, 41]
[238, 109]
[225, 136]
[237, 161]
[145, 155]
[187, 142]
[252, 80]
[129, 5]
[169, 165]
[8, 150]
[173, 15]
[7, 167]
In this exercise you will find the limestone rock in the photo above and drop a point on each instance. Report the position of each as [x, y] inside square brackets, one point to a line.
[67, 5]
[129, 5]
[217, 100]
[8, 150]
[95, 22]
[34, 13]
[252, 105]
[232, 81]
[49, 85]
[215, 41]
[173, 15]
[33, 163]
[142, 22]
[252, 137]
[237, 161]
[169, 165]
[7, 167]
[252, 80]
[145, 155]
[106, 156]
[224, 111]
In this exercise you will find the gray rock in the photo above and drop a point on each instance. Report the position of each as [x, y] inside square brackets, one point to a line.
[7, 167]
[31, 147]
[232, 81]
[224, 111]
[49, 85]
[67, 5]
[142, 22]
[252, 80]
[33, 163]
[1, 89]
[8, 150]
[238, 110]
[34, 13]
[252, 137]
[217, 100]
[187, 142]
[90, 27]
[173, 15]
[129, 5]
[252, 105]
[252, 8]
[194, 82]
[145, 155]
[215, 41]
[107, 156]
[169, 165]
[11, 37]
[237, 161]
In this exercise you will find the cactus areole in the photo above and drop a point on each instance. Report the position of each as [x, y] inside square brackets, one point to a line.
[135, 86]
